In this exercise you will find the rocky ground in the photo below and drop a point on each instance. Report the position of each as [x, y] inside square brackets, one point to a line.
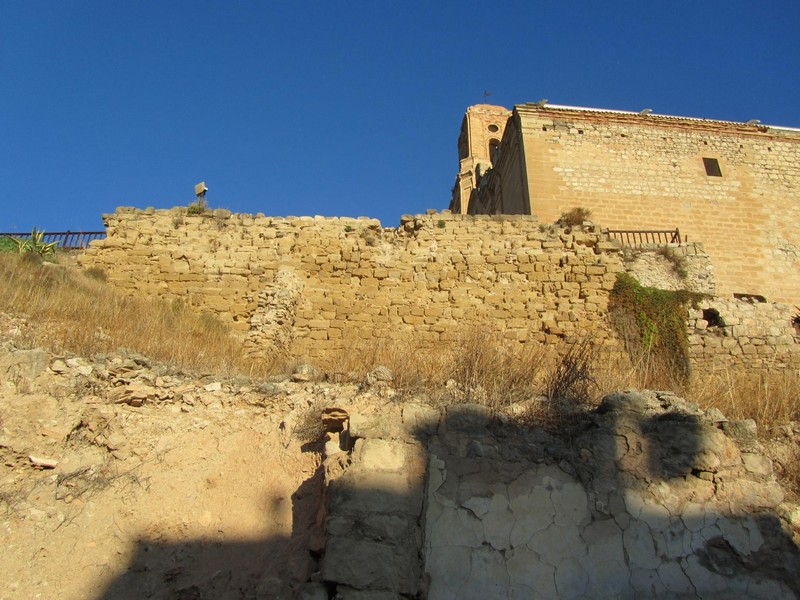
[121, 478]
[125, 479]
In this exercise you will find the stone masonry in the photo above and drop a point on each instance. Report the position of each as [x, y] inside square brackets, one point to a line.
[303, 286]
[651, 498]
[352, 281]
[732, 186]
[737, 334]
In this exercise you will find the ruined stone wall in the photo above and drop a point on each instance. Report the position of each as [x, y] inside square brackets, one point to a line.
[735, 335]
[671, 267]
[647, 172]
[653, 499]
[723, 333]
[306, 286]
[317, 284]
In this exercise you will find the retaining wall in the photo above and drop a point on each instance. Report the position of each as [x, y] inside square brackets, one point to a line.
[307, 286]
[311, 285]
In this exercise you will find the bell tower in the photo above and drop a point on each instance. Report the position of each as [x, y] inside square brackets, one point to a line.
[481, 132]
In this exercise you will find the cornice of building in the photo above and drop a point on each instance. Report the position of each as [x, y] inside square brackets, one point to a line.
[647, 117]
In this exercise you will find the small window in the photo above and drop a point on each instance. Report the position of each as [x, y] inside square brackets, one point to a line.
[493, 146]
[712, 167]
[751, 298]
[493, 128]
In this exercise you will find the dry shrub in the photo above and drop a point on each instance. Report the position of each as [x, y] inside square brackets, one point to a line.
[571, 378]
[483, 367]
[494, 371]
[414, 364]
[308, 427]
[80, 314]
[480, 366]
[641, 370]
[788, 473]
[575, 216]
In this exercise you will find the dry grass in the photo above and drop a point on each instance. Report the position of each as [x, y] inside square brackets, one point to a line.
[770, 397]
[479, 366]
[78, 313]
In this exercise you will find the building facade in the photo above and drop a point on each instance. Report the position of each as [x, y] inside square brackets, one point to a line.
[735, 187]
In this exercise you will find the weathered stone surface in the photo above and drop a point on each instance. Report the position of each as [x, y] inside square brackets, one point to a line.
[25, 364]
[488, 576]
[448, 571]
[449, 526]
[379, 492]
[420, 419]
[370, 565]
[757, 464]
[529, 577]
[381, 455]
[751, 494]
[660, 509]
[744, 432]
[624, 401]
[344, 592]
[313, 591]
[467, 418]
[380, 426]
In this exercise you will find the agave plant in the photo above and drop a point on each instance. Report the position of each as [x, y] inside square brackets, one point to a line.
[35, 244]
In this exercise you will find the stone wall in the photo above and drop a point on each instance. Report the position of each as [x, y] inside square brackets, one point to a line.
[671, 267]
[740, 334]
[308, 286]
[312, 285]
[651, 499]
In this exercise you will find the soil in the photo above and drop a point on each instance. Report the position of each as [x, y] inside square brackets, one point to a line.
[205, 494]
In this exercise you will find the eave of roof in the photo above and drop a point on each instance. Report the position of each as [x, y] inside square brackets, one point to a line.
[584, 109]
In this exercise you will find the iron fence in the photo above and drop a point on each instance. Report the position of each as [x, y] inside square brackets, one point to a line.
[67, 240]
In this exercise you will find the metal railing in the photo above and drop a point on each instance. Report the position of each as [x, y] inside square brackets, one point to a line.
[647, 236]
[66, 240]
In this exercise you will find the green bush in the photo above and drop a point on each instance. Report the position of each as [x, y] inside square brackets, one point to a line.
[33, 244]
[8, 244]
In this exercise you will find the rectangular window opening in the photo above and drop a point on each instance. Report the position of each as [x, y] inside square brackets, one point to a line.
[712, 167]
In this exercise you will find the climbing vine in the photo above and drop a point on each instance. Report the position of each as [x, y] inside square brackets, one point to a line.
[653, 321]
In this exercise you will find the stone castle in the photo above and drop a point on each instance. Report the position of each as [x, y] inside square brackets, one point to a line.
[308, 286]
[656, 499]
[735, 187]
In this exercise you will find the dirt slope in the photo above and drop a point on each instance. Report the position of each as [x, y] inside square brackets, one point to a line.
[200, 492]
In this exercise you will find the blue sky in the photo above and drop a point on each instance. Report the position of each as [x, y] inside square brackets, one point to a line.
[339, 108]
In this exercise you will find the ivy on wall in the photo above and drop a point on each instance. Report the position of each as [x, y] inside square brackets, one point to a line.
[653, 322]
